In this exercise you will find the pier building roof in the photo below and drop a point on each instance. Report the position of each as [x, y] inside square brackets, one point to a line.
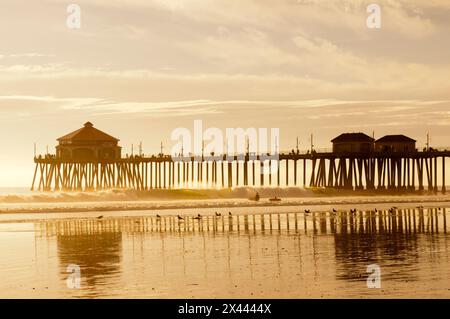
[88, 133]
[395, 139]
[352, 137]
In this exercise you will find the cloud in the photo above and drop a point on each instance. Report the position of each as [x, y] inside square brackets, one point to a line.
[25, 106]
[323, 77]
[29, 55]
[313, 109]
[155, 109]
[268, 50]
[323, 41]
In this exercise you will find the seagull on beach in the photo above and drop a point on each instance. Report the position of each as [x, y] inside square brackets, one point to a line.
[307, 211]
[100, 217]
[180, 218]
[230, 214]
[157, 216]
[218, 214]
[334, 210]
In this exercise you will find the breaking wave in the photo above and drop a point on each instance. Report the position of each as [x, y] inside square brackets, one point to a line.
[126, 200]
[182, 194]
[134, 195]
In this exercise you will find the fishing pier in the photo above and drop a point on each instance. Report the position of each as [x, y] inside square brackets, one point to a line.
[90, 160]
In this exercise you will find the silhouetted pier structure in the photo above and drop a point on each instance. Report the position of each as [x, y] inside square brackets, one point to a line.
[89, 160]
[413, 171]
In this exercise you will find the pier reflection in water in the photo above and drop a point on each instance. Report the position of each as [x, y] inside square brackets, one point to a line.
[317, 254]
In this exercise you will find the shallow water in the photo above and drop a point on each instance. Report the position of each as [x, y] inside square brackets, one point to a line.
[272, 253]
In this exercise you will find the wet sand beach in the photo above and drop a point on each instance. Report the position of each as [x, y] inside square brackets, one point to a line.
[262, 252]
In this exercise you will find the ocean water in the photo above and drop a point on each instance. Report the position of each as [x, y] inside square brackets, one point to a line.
[15, 191]
[263, 252]
[23, 201]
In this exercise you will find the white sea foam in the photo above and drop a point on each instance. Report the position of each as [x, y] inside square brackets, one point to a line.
[135, 195]
[128, 200]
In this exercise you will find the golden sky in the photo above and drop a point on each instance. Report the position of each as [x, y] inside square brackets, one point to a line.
[140, 68]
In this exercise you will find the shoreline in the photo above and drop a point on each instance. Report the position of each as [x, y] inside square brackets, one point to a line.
[160, 205]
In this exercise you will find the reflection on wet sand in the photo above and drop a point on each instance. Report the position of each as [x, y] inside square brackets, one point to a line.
[98, 254]
[357, 222]
[370, 222]
[317, 254]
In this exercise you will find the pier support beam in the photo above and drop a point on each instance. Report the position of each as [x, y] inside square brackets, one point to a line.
[443, 175]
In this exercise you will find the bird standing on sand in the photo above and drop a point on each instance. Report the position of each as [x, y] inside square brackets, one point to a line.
[218, 215]
[230, 214]
[307, 211]
[180, 218]
[100, 217]
[334, 210]
[157, 216]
